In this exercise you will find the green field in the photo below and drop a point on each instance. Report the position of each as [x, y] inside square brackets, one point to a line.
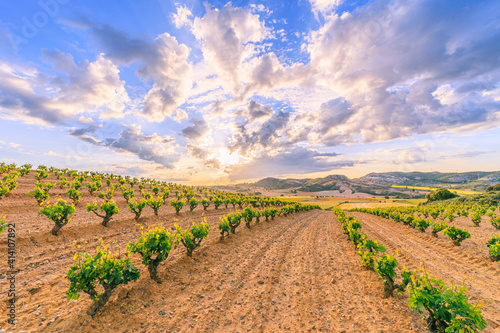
[352, 202]
[425, 188]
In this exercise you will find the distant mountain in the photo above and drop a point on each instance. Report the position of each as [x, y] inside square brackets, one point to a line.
[280, 184]
[480, 178]
[305, 185]
[380, 183]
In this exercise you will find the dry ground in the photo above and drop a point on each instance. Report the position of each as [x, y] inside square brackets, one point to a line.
[297, 273]
[468, 263]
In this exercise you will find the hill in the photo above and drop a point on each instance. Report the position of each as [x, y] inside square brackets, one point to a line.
[479, 179]
[378, 183]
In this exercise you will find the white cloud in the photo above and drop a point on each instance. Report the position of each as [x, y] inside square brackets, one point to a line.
[181, 18]
[324, 5]
[228, 36]
[34, 97]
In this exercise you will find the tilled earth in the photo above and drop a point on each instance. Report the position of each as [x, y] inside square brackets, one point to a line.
[297, 273]
[466, 264]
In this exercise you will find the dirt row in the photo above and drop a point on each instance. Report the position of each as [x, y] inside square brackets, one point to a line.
[467, 264]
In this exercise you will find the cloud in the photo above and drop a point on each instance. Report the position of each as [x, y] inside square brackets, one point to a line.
[255, 110]
[153, 148]
[412, 155]
[469, 154]
[324, 5]
[298, 160]
[197, 152]
[199, 129]
[409, 67]
[329, 116]
[163, 61]
[181, 18]
[228, 37]
[265, 136]
[50, 98]
[84, 130]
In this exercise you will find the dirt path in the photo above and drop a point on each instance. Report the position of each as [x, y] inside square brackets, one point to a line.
[443, 260]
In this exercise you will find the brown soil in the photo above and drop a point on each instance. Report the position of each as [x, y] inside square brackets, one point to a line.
[296, 274]
[468, 263]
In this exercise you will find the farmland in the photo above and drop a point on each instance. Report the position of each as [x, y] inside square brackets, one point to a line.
[295, 271]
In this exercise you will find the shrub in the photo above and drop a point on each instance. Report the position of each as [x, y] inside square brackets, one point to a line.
[76, 185]
[384, 266]
[457, 235]
[154, 247]
[257, 215]
[41, 173]
[109, 209]
[421, 224]
[193, 203]
[4, 190]
[146, 195]
[224, 226]
[247, 214]
[273, 212]
[205, 203]
[3, 225]
[355, 236]
[25, 169]
[74, 195]
[495, 222]
[11, 180]
[128, 194]
[495, 187]
[437, 227]
[217, 202]
[476, 218]
[494, 246]
[59, 213]
[234, 221]
[448, 308]
[177, 205]
[450, 216]
[155, 203]
[266, 213]
[94, 187]
[192, 237]
[368, 249]
[441, 194]
[108, 195]
[136, 208]
[495, 252]
[89, 272]
[40, 192]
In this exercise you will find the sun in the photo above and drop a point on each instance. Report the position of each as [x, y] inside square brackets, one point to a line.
[226, 158]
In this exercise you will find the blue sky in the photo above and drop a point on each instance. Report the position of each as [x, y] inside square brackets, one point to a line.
[216, 92]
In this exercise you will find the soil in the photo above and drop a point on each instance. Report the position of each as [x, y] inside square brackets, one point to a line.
[297, 273]
[467, 264]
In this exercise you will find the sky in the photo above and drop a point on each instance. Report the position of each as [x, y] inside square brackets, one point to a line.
[215, 92]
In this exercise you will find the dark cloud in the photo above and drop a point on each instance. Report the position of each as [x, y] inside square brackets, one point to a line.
[152, 148]
[199, 128]
[266, 136]
[197, 152]
[257, 110]
[84, 130]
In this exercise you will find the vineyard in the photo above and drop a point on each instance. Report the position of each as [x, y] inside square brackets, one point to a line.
[101, 252]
